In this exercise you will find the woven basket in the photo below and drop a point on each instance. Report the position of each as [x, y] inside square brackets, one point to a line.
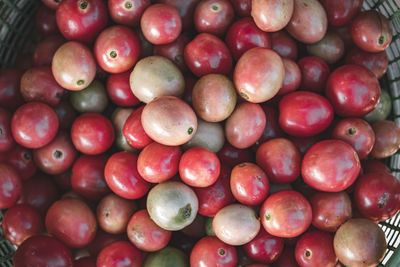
[16, 27]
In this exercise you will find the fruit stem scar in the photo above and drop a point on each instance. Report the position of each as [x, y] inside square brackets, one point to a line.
[185, 211]
[128, 5]
[221, 252]
[83, 4]
[190, 130]
[57, 154]
[244, 95]
[307, 253]
[215, 7]
[113, 54]
[80, 82]
[267, 217]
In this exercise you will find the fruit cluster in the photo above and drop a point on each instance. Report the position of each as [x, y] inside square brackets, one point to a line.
[202, 133]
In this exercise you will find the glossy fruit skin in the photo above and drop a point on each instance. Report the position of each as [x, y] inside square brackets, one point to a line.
[277, 214]
[341, 12]
[45, 21]
[330, 48]
[119, 90]
[232, 156]
[127, 12]
[11, 186]
[244, 35]
[284, 45]
[72, 221]
[242, 7]
[161, 24]
[6, 140]
[168, 120]
[117, 48]
[272, 128]
[330, 166]
[330, 210]
[264, 248]
[10, 96]
[88, 177]
[377, 195]
[259, 74]
[45, 50]
[304, 114]
[375, 62]
[246, 125]
[120, 253]
[371, 31]
[204, 49]
[57, 156]
[92, 134]
[360, 242]
[73, 66]
[309, 22]
[280, 159]
[174, 51]
[91, 99]
[81, 20]
[145, 234]
[292, 77]
[210, 251]
[158, 163]
[356, 132]
[387, 139]
[38, 84]
[199, 167]
[34, 125]
[249, 184]
[353, 90]
[39, 192]
[21, 222]
[156, 76]
[113, 213]
[215, 197]
[214, 97]
[41, 250]
[172, 205]
[272, 16]
[122, 176]
[209, 135]
[314, 74]
[134, 132]
[213, 16]
[101, 240]
[236, 224]
[315, 248]
[168, 256]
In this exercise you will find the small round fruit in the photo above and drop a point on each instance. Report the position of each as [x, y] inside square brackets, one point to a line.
[34, 125]
[120, 253]
[210, 251]
[286, 214]
[156, 76]
[172, 205]
[259, 74]
[145, 234]
[272, 16]
[73, 66]
[330, 166]
[236, 224]
[353, 90]
[168, 120]
[92, 133]
[360, 242]
[40, 250]
[161, 24]
[72, 221]
[199, 167]
[315, 248]
[117, 49]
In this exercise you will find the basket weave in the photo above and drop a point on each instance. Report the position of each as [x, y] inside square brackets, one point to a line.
[16, 25]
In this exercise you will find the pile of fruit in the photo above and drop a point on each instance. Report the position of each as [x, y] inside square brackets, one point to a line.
[199, 133]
